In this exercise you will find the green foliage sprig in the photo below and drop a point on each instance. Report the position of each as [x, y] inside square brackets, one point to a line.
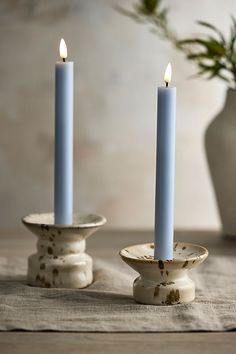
[213, 53]
[151, 12]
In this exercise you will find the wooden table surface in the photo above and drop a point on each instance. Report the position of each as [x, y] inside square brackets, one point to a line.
[107, 244]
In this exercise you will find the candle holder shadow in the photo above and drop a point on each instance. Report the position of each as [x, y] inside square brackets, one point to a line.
[164, 282]
[60, 260]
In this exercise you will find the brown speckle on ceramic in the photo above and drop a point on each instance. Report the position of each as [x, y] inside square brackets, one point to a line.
[182, 252]
[160, 264]
[55, 272]
[42, 266]
[45, 221]
[60, 260]
[164, 282]
[50, 250]
[173, 297]
[157, 290]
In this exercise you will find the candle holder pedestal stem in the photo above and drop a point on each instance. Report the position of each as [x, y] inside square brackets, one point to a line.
[60, 260]
[164, 282]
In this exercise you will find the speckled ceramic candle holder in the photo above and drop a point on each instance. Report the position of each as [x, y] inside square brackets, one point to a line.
[60, 260]
[164, 282]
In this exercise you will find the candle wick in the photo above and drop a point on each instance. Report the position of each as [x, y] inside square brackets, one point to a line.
[64, 60]
[167, 83]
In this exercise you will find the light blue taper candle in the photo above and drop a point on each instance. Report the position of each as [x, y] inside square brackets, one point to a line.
[165, 170]
[63, 173]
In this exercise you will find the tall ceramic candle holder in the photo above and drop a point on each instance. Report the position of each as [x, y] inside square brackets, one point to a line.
[164, 282]
[60, 260]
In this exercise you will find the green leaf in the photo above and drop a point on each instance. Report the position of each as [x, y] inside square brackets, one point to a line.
[210, 26]
[200, 55]
[213, 47]
[224, 78]
[233, 20]
[232, 43]
[150, 5]
[213, 53]
[233, 34]
[129, 14]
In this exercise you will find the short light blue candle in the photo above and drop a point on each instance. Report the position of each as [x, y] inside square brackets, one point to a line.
[165, 170]
[63, 173]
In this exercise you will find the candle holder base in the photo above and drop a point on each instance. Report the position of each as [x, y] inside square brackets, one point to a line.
[164, 282]
[60, 260]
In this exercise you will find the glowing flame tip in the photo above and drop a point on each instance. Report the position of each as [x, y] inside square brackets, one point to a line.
[168, 73]
[63, 49]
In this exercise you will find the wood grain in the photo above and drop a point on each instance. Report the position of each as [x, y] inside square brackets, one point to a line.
[144, 343]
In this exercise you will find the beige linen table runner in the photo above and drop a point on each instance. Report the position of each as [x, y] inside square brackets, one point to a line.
[107, 305]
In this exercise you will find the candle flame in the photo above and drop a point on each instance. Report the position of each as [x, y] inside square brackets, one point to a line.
[168, 73]
[63, 49]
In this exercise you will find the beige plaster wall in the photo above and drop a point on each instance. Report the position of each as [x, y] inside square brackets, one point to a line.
[118, 67]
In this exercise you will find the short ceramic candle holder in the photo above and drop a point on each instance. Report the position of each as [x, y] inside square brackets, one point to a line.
[164, 282]
[60, 260]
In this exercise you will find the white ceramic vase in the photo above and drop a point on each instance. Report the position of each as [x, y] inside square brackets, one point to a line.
[220, 144]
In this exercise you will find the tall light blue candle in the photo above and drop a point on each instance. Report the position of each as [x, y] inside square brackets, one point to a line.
[63, 172]
[165, 170]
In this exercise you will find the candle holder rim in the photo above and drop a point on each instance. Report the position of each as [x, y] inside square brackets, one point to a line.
[203, 256]
[26, 220]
